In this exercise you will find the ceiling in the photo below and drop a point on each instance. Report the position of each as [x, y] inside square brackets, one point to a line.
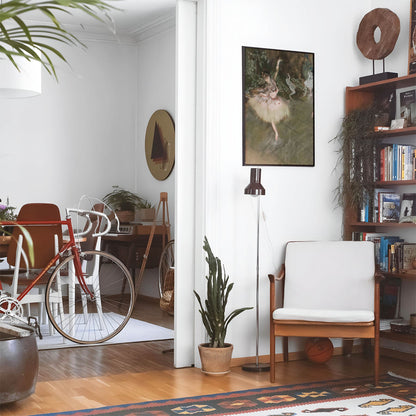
[130, 17]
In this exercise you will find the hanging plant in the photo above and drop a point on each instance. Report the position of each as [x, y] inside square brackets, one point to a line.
[358, 155]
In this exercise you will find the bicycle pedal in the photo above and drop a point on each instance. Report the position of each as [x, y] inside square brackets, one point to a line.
[35, 325]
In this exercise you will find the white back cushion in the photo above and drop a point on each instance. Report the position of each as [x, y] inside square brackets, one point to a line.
[335, 275]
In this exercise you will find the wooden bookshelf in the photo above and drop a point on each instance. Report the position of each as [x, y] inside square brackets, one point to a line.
[361, 97]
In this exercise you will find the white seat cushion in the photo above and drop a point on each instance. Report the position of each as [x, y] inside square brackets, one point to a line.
[323, 315]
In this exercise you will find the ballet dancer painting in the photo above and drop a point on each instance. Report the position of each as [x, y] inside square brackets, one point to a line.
[278, 105]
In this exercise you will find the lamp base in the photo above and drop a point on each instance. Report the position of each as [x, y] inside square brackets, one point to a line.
[254, 367]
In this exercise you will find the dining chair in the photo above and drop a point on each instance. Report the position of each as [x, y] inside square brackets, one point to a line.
[46, 240]
[330, 289]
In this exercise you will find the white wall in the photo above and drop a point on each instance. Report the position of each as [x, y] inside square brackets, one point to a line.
[156, 91]
[299, 200]
[78, 136]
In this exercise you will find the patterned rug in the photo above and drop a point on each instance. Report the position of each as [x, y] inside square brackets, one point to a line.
[349, 397]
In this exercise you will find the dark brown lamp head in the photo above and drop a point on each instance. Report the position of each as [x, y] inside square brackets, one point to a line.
[255, 187]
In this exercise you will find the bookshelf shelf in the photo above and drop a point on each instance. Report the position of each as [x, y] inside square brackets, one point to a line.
[402, 275]
[408, 131]
[361, 97]
[395, 183]
[383, 224]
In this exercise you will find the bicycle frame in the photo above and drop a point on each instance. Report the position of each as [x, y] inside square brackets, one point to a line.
[70, 245]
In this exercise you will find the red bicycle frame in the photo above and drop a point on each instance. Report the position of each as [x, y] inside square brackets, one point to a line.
[71, 244]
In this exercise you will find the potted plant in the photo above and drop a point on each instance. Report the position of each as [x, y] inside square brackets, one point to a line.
[216, 354]
[145, 211]
[123, 202]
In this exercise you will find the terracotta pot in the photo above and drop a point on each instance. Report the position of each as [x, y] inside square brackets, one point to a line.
[215, 361]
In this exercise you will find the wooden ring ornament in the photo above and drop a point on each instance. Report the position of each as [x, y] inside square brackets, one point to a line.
[389, 25]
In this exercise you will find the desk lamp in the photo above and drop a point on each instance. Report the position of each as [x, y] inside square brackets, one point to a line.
[256, 189]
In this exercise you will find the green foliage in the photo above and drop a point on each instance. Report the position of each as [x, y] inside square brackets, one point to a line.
[122, 200]
[218, 289]
[32, 41]
[357, 153]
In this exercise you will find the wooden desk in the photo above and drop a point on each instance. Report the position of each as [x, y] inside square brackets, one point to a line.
[130, 248]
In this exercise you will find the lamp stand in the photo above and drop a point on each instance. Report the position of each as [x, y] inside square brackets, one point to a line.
[257, 366]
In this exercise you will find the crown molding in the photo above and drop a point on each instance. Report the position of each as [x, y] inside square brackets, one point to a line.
[154, 28]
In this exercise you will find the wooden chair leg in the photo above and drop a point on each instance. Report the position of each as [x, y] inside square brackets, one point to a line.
[376, 359]
[272, 355]
[285, 349]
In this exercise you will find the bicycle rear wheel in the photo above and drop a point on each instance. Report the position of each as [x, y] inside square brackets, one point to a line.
[84, 319]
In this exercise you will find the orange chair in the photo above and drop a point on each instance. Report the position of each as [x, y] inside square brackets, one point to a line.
[330, 290]
[46, 241]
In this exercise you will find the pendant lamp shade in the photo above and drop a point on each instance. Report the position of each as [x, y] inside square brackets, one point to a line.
[22, 83]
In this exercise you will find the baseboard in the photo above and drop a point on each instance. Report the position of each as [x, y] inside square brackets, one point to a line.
[293, 356]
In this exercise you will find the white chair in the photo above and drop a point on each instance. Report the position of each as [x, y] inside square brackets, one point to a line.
[330, 289]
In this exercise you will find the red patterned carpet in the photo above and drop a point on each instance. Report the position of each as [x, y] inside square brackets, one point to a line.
[348, 397]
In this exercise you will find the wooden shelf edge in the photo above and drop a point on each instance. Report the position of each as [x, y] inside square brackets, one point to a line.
[398, 82]
[383, 224]
[400, 275]
[382, 184]
[407, 338]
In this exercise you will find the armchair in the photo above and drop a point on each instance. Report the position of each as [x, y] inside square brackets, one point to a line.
[330, 289]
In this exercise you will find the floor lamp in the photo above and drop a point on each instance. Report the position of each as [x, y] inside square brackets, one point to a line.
[256, 189]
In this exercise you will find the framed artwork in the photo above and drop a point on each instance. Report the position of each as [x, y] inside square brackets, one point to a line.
[412, 38]
[160, 144]
[278, 107]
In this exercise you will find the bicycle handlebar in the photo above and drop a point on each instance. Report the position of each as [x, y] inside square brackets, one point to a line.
[87, 214]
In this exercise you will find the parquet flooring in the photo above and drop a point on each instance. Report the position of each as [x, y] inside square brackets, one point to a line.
[79, 378]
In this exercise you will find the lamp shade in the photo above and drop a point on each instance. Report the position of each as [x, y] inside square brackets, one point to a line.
[25, 82]
[255, 187]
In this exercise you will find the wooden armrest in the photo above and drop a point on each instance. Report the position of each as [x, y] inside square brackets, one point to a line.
[280, 275]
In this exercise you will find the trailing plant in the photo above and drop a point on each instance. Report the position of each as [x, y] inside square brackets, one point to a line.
[33, 41]
[358, 155]
[123, 200]
[213, 309]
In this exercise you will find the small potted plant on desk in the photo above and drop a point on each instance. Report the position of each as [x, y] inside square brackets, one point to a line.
[216, 355]
[123, 202]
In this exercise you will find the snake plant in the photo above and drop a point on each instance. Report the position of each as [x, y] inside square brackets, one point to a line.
[33, 41]
[218, 289]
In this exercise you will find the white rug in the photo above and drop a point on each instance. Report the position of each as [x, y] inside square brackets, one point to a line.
[134, 331]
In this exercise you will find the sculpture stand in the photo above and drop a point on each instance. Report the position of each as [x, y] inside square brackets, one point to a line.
[381, 76]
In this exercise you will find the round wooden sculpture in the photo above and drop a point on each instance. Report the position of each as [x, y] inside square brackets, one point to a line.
[389, 25]
[319, 350]
[160, 144]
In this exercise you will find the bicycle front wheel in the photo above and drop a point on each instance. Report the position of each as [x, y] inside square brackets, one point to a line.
[96, 314]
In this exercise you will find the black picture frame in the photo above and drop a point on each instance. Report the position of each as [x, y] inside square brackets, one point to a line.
[278, 107]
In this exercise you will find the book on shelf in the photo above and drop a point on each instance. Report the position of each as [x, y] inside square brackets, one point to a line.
[389, 299]
[408, 208]
[397, 162]
[389, 207]
[408, 107]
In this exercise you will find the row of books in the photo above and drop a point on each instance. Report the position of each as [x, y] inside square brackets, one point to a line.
[389, 206]
[397, 162]
[392, 253]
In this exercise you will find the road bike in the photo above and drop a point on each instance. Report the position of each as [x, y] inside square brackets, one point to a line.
[89, 295]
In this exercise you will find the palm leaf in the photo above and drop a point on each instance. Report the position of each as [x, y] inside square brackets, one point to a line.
[28, 40]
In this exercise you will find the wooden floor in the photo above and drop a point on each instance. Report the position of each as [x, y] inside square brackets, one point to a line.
[88, 377]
